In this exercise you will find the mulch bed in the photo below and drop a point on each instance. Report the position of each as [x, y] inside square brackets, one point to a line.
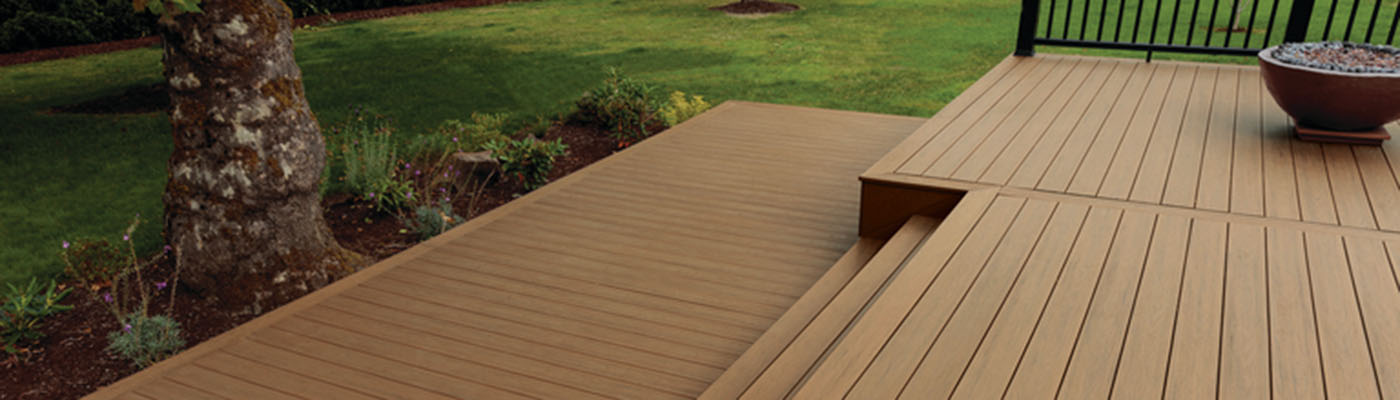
[757, 7]
[72, 360]
[312, 20]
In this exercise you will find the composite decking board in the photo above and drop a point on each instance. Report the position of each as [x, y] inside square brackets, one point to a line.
[1139, 108]
[1353, 206]
[1296, 366]
[1246, 181]
[1376, 292]
[1281, 198]
[1003, 119]
[716, 236]
[1213, 188]
[1047, 347]
[228, 386]
[857, 354]
[276, 378]
[1244, 360]
[1045, 169]
[1184, 173]
[737, 378]
[1346, 357]
[164, 388]
[896, 157]
[949, 134]
[1141, 369]
[1156, 159]
[1022, 131]
[1031, 150]
[781, 371]
[1003, 344]
[1195, 348]
[1152, 124]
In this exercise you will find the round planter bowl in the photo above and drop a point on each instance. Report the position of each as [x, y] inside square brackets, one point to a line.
[1330, 99]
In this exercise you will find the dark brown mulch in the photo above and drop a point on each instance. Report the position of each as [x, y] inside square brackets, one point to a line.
[312, 20]
[757, 7]
[72, 360]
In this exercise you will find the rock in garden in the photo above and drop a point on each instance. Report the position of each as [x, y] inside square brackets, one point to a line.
[480, 162]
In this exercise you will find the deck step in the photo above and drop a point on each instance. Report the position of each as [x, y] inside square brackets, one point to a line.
[775, 364]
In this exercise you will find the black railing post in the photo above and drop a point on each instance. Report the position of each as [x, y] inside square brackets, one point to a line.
[1030, 17]
[1298, 18]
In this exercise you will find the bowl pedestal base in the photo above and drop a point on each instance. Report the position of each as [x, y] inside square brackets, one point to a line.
[1372, 137]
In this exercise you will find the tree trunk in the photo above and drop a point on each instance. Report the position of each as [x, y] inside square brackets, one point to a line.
[242, 206]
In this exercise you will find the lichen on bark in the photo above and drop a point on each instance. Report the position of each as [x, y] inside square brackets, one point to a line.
[242, 203]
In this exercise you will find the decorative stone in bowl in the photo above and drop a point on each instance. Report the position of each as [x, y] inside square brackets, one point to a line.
[1337, 92]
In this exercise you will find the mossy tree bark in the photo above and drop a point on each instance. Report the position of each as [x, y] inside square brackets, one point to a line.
[242, 207]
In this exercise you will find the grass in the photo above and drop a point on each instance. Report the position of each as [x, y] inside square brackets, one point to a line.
[69, 176]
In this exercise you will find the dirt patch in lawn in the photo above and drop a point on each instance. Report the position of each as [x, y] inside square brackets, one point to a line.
[72, 360]
[757, 7]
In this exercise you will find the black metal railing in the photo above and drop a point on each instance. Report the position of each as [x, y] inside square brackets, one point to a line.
[1238, 27]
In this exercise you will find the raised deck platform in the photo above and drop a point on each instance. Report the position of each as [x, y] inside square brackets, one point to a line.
[1111, 228]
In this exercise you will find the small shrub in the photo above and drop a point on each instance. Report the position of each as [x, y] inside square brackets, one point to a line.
[528, 160]
[22, 315]
[679, 109]
[145, 340]
[620, 105]
[363, 150]
[96, 261]
[432, 220]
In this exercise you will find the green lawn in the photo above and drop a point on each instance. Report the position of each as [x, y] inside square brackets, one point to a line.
[68, 176]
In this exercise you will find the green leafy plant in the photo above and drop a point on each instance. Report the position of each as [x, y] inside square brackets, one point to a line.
[96, 261]
[22, 315]
[454, 135]
[528, 160]
[365, 157]
[621, 105]
[432, 220]
[679, 108]
[145, 340]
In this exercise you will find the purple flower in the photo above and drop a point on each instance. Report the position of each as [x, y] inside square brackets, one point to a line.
[442, 189]
[371, 195]
[454, 139]
[167, 248]
[107, 297]
[160, 285]
[126, 327]
[126, 238]
[416, 173]
[407, 165]
[65, 244]
[410, 195]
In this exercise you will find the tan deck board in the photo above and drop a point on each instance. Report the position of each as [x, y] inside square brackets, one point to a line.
[642, 276]
[1296, 367]
[1022, 154]
[1244, 360]
[1247, 181]
[1195, 348]
[1148, 127]
[1156, 158]
[1184, 174]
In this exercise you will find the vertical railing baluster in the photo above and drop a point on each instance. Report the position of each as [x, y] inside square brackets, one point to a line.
[1249, 30]
[1230, 23]
[1273, 16]
[1299, 18]
[1351, 20]
[1156, 20]
[1375, 17]
[1068, 9]
[1210, 24]
[1394, 20]
[1084, 22]
[1118, 28]
[1137, 22]
[1191, 30]
[1050, 20]
[1176, 13]
[1331, 15]
[1103, 18]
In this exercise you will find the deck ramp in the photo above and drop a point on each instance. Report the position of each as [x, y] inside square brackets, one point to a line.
[643, 276]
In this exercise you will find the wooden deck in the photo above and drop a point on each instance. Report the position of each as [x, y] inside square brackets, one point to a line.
[1129, 230]
[643, 276]
[1069, 227]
